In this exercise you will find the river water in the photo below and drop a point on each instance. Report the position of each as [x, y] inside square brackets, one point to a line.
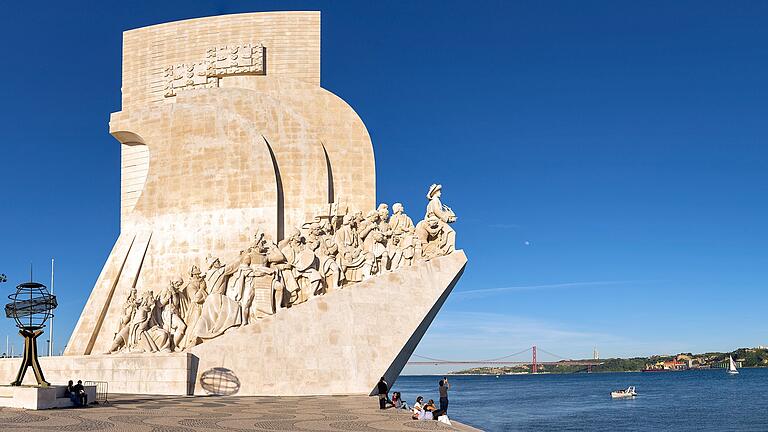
[702, 401]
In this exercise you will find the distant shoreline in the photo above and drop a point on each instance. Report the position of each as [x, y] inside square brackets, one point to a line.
[743, 358]
[455, 374]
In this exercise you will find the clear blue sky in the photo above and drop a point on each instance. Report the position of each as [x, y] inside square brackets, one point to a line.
[625, 143]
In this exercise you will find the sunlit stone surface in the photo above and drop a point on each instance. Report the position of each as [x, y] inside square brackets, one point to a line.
[251, 246]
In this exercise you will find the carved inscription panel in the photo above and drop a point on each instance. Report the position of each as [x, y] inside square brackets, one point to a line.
[220, 61]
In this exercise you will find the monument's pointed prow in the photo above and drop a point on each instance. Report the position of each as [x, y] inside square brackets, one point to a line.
[394, 369]
[339, 343]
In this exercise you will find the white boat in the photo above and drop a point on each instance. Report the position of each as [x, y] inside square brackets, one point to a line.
[626, 393]
[732, 366]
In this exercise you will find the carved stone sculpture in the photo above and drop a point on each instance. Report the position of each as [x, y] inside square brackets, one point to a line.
[217, 275]
[197, 293]
[402, 247]
[436, 236]
[259, 304]
[239, 281]
[336, 250]
[143, 334]
[324, 248]
[400, 220]
[304, 279]
[220, 61]
[173, 324]
[350, 256]
[275, 260]
[219, 312]
[373, 233]
[129, 308]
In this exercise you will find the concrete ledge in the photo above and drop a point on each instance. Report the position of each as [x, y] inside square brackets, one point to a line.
[162, 374]
[39, 398]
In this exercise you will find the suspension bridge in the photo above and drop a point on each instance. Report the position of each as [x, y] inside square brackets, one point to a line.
[508, 360]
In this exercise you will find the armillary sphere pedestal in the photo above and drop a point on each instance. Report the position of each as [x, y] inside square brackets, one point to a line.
[31, 307]
[30, 358]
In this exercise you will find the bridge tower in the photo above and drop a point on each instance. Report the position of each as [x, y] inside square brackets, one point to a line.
[533, 362]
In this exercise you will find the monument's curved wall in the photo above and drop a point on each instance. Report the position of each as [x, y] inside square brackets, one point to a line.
[291, 73]
[339, 128]
[204, 166]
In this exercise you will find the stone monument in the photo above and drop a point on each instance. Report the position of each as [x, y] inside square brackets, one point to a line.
[251, 245]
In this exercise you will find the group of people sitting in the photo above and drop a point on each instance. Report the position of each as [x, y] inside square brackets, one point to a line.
[420, 410]
[426, 411]
[76, 393]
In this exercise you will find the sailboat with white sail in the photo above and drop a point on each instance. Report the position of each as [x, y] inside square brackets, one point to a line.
[732, 366]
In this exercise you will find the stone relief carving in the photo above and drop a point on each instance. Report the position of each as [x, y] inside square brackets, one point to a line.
[221, 61]
[236, 59]
[329, 253]
[189, 76]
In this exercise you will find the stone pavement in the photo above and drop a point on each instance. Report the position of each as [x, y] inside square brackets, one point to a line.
[142, 413]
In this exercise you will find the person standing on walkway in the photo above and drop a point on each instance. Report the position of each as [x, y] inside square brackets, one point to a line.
[443, 387]
[383, 389]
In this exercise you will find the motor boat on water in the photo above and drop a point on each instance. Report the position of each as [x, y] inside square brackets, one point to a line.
[732, 366]
[629, 392]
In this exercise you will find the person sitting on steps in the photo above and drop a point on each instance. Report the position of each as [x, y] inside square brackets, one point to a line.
[71, 394]
[79, 393]
[398, 402]
[417, 407]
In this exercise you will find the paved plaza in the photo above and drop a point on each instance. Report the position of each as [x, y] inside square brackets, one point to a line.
[224, 413]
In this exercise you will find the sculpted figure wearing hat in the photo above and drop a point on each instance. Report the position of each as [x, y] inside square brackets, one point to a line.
[437, 237]
[436, 207]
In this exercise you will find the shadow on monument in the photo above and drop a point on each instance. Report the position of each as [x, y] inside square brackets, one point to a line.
[220, 381]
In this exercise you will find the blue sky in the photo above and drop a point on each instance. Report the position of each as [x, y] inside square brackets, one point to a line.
[607, 160]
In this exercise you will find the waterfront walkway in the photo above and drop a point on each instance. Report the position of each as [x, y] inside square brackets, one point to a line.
[142, 413]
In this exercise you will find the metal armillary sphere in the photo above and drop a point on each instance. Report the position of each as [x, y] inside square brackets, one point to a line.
[31, 306]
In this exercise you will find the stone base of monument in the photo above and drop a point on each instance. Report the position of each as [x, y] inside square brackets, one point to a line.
[161, 374]
[39, 398]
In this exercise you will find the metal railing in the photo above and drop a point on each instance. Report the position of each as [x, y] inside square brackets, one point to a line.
[102, 390]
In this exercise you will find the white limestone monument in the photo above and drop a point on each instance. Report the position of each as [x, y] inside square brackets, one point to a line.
[251, 247]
